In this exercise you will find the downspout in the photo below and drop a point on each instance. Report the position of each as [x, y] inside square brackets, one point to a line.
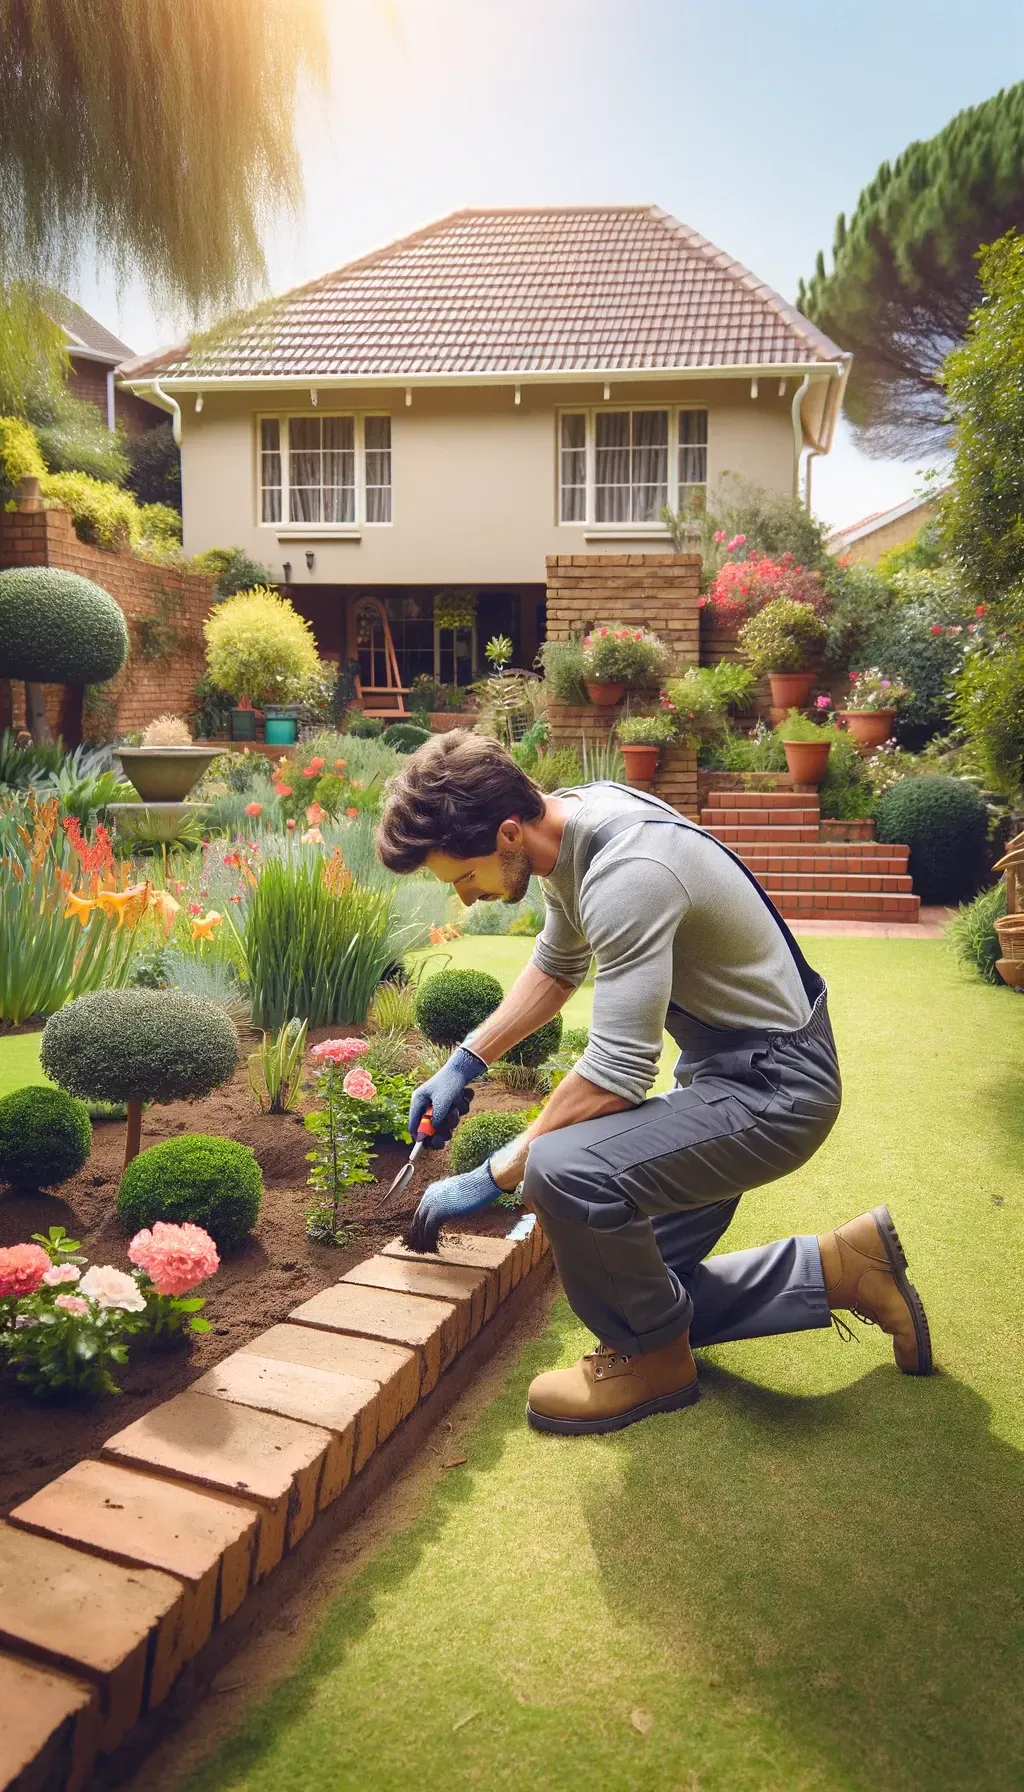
[111, 412]
[174, 407]
[798, 430]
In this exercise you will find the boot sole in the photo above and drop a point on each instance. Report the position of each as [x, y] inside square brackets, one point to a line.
[618, 1421]
[899, 1266]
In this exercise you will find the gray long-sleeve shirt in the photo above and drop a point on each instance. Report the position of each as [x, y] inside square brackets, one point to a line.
[667, 917]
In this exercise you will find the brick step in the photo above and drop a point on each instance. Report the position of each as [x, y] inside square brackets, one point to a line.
[779, 833]
[808, 815]
[817, 905]
[834, 860]
[891, 883]
[760, 799]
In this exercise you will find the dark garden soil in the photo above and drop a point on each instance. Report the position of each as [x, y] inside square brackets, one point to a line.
[254, 1288]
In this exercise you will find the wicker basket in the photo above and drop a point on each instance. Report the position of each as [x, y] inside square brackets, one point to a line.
[1010, 931]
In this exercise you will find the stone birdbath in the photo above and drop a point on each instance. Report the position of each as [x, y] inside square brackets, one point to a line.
[163, 777]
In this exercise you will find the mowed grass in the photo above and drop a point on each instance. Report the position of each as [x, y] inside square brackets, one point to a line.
[19, 1061]
[813, 1580]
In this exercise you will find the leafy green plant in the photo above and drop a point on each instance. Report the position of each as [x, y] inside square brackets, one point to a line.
[971, 934]
[214, 1183]
[563, 670]
[137, 1045]
[24, 766]
[781, 637]
[56, 627]
[275, 1070]
[366, 728]
[602, 761]
[154, 473]
[20, 457]
[452, 1003]
[259, 648]
[556, 1068]
[874, 690]
[703, 697]
[316, 944]
[61, 1336]
[614, 653]
[85, 785]
[797, 727]
[405, 737]
[233, 571]
[498, 651]
[393, 1009]
[988, 704]
[945, 823]
[560, 770]
[45, 1137]
[646, 731]
[758, 752]
[480, 1136]
[344, 1130]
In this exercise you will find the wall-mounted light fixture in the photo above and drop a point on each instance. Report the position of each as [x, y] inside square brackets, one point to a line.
[408, 394]
[310, 559]
[199, 401]
[286, 568]
[607, 391]
[313, 396]
[753, 388]
[782, 388]
[519, 395]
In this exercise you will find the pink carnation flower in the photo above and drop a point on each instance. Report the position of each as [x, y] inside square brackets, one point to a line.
[719, 534]
[175, 1258]
[23, 1269]
[72, 1303]
[339, 1051]
[360, 1084]
[110, 1287]
[61, 1272]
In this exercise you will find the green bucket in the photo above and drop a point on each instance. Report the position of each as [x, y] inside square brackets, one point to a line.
[280, 731]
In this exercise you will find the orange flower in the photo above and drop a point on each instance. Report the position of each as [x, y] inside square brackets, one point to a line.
[120, 902]
[312, 837]
[351, 813]
[82, 906]
[202, 929]
[339, 765]
[290, 825]
[254, 809]
[315, 815]
[166, 907]
[282, 789]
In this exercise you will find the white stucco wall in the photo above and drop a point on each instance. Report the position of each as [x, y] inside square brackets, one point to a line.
[474, 477]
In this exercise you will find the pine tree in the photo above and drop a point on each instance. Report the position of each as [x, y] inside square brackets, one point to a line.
[904, 276]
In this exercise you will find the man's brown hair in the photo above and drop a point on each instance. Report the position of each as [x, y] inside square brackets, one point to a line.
[452, 797]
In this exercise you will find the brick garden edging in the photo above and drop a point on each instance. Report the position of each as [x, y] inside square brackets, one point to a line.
[130, 1579]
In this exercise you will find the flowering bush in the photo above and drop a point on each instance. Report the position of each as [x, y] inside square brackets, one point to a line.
[782, 636]
[173, 1260]
[60, 1329]
[615, 654]
[872, 690]
[741, 588]
[358, 1108]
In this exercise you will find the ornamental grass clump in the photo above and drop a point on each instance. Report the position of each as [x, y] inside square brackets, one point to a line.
[45, 1138]
[139, 1045]
[196, 1179]
[316, 943]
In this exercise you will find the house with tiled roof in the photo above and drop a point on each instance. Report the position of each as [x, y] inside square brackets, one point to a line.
[874, 535]
[502, 386]
[94, 353]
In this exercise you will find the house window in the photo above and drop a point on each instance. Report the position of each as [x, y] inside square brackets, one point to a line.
[314, 470]
[625, 466]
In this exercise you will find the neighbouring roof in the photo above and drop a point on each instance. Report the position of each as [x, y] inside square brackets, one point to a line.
[880, 519]
[538, 291]
[84, 333]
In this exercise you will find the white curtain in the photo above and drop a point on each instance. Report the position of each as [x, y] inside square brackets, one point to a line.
[650, 465]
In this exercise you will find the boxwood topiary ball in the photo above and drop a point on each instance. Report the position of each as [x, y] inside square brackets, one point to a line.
[58, 628]
[215, 1183]
[480, 1136]
[451, 1003]
[405, 737]
[45, 1137]
[944, 821]
[139, 1045]
[537, 1046]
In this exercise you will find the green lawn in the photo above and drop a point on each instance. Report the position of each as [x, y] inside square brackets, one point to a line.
[813, 1580]
[19, 1061]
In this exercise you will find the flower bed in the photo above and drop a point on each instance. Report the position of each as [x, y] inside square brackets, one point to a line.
[255, 1286]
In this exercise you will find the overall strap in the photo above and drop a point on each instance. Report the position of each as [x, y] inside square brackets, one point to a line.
[664, 816]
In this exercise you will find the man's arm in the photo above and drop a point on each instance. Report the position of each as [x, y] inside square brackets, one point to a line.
[574, 1100]
[533, 999]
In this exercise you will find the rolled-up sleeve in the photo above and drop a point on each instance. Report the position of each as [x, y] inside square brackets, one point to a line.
[631, 917]
[559, 951]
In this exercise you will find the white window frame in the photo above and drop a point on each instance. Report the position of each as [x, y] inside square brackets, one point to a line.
[675, 489]
[360, 521]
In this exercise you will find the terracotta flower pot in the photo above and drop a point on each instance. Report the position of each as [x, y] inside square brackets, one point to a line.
[641, 762]
[807, 759]
[791, 690]
[605, 696]
[869, 727]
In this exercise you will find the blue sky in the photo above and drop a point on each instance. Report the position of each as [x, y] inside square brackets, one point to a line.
[755, 121]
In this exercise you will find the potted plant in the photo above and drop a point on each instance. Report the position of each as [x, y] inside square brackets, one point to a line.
[779, 641]
[807, 746]
[641, 739]
[261, 651]
[871, 707]
[617, 659]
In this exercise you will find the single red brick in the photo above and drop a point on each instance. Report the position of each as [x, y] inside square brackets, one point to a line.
[430, 1327]
[273, 1462]
[48, 1728]
[394, 1372]
[134, 1518]
[425, 1275]
[345, 1407]
[98, 1619]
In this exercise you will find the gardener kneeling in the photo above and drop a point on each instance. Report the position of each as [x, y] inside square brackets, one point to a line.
[635, 1192]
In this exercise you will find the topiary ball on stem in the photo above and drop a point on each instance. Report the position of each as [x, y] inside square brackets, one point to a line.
[215, 1183]
[45, 1137]
[451, 1003]
[137, 1045]
[58, 628]
[538, 1045]
[944, 821]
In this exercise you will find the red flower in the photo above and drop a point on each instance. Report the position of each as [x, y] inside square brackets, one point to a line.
[979, 609]
[254, 808]
[936, 628]
[282, 789]
[195, 908]
[352, 813]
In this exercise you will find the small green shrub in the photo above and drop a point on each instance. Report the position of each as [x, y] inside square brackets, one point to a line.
[563, 670]
[45, 1137]
[481, 1135]
[781, 637]
[214, 1183]
[972, 935]
[258, 646]
[451, 1003]
[19, 453]
[56, 627]
[538, 1045]
[405, 737]
[139, 1044]
[366, 728]
[614, 652]
[944, 821]
[561, 770]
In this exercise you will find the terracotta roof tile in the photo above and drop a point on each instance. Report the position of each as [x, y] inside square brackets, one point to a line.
[614, 288]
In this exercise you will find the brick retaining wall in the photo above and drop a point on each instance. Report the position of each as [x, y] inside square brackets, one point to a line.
[658, 590]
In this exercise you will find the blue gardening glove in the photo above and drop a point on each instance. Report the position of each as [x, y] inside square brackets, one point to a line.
[445, 1093]
[452, 1199]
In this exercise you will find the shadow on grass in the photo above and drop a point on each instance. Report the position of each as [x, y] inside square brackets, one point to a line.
[851, 1564]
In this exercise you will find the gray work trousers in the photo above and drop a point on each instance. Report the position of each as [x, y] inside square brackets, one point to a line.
[633, 1202]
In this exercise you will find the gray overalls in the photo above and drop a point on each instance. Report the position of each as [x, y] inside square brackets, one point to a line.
[633, 1202]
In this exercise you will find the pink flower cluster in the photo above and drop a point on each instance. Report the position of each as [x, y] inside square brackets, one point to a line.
[175, 1258]
[23, 1270]
[742, 587]
[738, 541]
[360, 1084]
[613, 634]
[339, 1051]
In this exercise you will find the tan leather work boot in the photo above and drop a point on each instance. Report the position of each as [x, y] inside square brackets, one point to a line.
[607, 1390]
[866, 1272]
